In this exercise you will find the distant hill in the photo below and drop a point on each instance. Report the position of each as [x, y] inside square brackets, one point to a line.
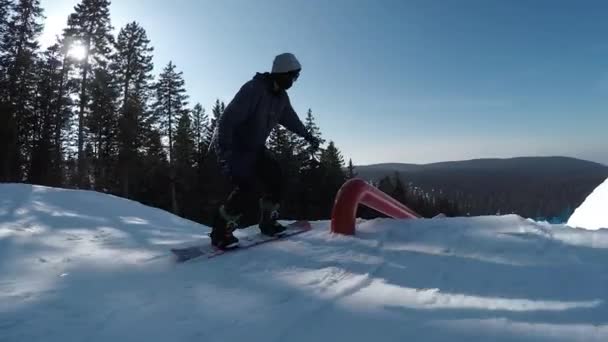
[539, 187]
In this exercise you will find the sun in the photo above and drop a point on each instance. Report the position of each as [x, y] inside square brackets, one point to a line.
[77, 51]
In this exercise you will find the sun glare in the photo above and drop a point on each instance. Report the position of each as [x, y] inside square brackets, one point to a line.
[77, 51]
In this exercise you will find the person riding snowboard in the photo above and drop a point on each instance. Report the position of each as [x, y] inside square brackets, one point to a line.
[240, 145]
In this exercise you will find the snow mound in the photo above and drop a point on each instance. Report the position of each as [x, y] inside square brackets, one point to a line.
[593, 212]
[83, 266]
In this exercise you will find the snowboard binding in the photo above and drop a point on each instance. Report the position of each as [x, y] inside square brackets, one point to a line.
[269, 214]
[223, 226]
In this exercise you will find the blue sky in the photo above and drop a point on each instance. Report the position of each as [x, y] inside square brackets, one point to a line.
[401, 81]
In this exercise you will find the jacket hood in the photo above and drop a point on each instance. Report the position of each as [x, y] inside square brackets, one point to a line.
[266, 79]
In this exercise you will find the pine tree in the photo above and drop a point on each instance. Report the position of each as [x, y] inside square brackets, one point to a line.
[63, 112]
[184, 161]
[5, 8]
[185, 146]
[102, 123]
[205, 164]
[312, 128]
[170, 104]
[313, 194]
[285, 145]
[386, 185]
[278, 142]
[213, 182]
[199, 124]
[132, 61]
[351, 170]
[47, 157]
[216, 111]
[132, 67]
[150, 187]
[18, 87]
[41, 154]
[333, 176]
[399, 191]
[89, 26]
[333, 161]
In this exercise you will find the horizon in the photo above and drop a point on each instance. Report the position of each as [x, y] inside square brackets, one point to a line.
[411, 82]
[476, 159]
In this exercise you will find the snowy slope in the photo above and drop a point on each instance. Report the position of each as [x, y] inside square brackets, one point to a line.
[593, 212]
[82, 266]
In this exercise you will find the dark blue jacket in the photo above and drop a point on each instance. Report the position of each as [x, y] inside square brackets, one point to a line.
[247, 121]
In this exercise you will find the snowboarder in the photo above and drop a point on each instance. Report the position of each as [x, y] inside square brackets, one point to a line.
[239, 143]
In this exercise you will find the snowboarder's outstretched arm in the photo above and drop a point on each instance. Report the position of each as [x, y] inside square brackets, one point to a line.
[290, 120]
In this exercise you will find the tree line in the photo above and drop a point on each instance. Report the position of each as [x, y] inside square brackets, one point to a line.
[424, 202]
[88, 112]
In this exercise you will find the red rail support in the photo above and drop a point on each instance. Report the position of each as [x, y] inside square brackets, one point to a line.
[356, 191]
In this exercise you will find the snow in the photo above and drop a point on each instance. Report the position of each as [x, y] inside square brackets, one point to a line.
[593, 212]
[83, 266]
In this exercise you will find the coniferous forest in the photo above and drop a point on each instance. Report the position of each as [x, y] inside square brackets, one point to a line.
[93, 112]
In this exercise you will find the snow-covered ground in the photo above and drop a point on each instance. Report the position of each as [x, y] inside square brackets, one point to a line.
[593, 212]
[82, 266]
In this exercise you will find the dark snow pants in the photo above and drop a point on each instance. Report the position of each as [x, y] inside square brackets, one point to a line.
[264, 176]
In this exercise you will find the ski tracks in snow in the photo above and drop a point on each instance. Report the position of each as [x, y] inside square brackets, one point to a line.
[333, 283]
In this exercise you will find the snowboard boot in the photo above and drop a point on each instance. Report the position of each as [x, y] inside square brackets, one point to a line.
[223, 226]
[269, 213]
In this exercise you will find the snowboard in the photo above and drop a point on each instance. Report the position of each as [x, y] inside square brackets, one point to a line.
[209, 251]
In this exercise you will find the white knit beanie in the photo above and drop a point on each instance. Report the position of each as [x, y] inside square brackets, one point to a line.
[285, 62]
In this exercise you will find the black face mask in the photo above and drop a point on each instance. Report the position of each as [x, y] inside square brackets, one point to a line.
[285, 80]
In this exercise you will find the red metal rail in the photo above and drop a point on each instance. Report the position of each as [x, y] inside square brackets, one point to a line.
[357, 191]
